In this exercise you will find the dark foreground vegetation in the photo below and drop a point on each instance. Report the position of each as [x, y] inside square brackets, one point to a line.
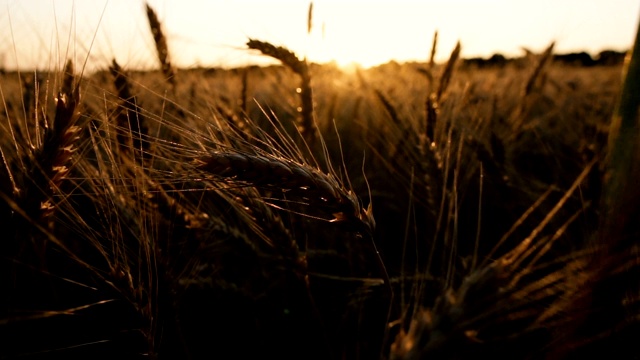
[405, 211]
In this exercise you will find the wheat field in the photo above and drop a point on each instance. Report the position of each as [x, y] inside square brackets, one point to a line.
[405, 211]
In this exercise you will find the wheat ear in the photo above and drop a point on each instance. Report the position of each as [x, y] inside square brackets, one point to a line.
[535, 81]
[50, 162]
[434, 100]
[130, 124]
[306, 124]
[161, 46]
[320, 190]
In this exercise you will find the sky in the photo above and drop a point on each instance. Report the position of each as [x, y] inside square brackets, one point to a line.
[44, 33]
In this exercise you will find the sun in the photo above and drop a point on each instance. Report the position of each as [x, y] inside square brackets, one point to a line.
[342, 35]
[344, 53]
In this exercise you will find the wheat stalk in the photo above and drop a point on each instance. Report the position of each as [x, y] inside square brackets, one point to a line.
[286, 56]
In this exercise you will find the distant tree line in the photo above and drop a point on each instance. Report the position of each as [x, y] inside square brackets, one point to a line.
[604, 58]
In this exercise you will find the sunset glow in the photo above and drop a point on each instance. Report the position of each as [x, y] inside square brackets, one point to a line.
[214, 33]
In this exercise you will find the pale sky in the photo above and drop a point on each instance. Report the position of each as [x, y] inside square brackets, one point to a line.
[44, 33]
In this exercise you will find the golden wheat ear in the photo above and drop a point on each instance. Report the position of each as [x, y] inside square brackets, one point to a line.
[162, 49]
[322, 191]
[306, 123]
[131, 127]
[435, 99]
[50, 164]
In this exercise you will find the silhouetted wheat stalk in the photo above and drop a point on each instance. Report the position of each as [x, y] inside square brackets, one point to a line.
[49, 164]
[434, 99]
[535, 80]
[130, 123]
[162, 49]
[306, 124]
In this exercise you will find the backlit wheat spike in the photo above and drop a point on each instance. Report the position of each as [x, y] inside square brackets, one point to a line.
[286, 56]
[161, 46]
[68, 79]
[306, 124]
[434, 99]
[51, 162]
[448, 71]
[321, 190]
[130, 123]
[66, 133]
[434, 45]
[543, 59]
[534, 82]
[310, 18]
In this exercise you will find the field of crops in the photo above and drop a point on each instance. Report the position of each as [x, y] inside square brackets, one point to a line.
[303, 211]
